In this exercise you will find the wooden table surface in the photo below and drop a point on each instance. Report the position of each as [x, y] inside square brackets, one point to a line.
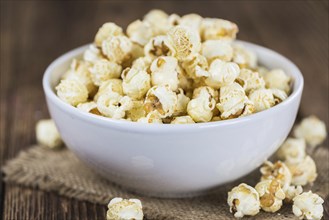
[33, 33]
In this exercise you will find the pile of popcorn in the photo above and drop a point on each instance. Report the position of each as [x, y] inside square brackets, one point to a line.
[171, 69]
[283, 180]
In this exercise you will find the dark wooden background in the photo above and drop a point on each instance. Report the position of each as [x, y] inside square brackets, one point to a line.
[33, 33]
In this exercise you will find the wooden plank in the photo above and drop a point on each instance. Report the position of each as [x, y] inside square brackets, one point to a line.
[33, 33]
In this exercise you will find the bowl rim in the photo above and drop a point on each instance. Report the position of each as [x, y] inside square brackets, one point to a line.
[159, 128]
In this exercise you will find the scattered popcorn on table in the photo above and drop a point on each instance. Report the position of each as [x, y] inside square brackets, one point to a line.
[47, 134]
[124, 209]
[184, 54]
[291, 192]
[303, 172]
[243, 200]
[292, 150]
[312, 129]
[308, 205]
[278, 171]
[271, 195]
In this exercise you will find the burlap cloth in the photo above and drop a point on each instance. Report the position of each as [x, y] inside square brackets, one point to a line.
[60, 171]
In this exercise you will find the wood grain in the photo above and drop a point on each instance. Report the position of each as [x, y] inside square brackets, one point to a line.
[33, 33]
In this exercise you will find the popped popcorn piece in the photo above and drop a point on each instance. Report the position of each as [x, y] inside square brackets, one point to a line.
[222, 73]
[185, 41]
[92, 54]
[151, 118]
[196, 67]
[279, 95]
[182, 102]
[114, 107]
[249, 109]
[214, 28]
[89, 107]
[139, 32]
[292, 150]
[124, 209]
[117, 48]
[136, 82]
[221, 49]
[243, 200]
[47, 134]
[271, 195]
[243, 57]
[107, 30]
[291, 192]
[232, 101]
[111, 86]
[158, 21]
[104, 70]
[142, 63]
[137, 111]
[262, 98]
[277, 79]
[79, 70]
[72, 91]
[161, 99]
[308, 205]
[201, 107]
[164, 72]
[192, 21]
[250, 80]
[303, 172]
[312, 129]
[159, 46]
[278, 171]
[173, 20]
[183, 120]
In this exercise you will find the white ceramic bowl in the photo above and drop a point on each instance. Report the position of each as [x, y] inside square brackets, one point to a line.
[174, 160]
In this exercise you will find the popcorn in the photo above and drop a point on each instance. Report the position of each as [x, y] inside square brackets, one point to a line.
[111, 86]
[277, 79]
[196, 67]
[72, 91]
[182, 102]
[183, 120]
[192, 21]
[104, 70]
[303, 172]
[164, 72]
[139, 32]
[279, 95]
[221, 49]
[243, 200]
[92, 54]
[271, 195]
[308, 205]
[291, 192]
[152, 117]
[278, 171]
[200, 108]
[243, 57]
[185, 41]
[262, 98]
[222, 73]
[312, 130]
[107, 30]
[232, 101]
[137, 111]
[173, 20]
[79, 70]
[47, 134]
[292, 150]
[117, 48]
[89, 107]
[159, 46]
[249, 109]
[162, 100]
[142, 63]
[136, 82]
[125, 209]
[250, 80]
[214, 29]
[158, 21]
[114, 107]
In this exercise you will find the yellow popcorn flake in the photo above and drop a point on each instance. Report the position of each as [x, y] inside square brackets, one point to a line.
[182, 102]
[159, 46]
[291, 192]
[137, 111]
[182, 120]
[89, 107]
[104, 70]
[136, 82]
[243, 57]
[308, 205]
[117, 48]
[192, 21]
[292, 150]
[243, 200]
[278, 171]
[139, 32]
[250, 80]
[277, 79]
[111, 86]
[214, 28]
[125, 209]
[113, 107]
[217, 49]
[72, 91]
[107, 30]
[153, 117]
[92, 54]
[47, 134]
[158, 21]
[303, 172]
[262, 98]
